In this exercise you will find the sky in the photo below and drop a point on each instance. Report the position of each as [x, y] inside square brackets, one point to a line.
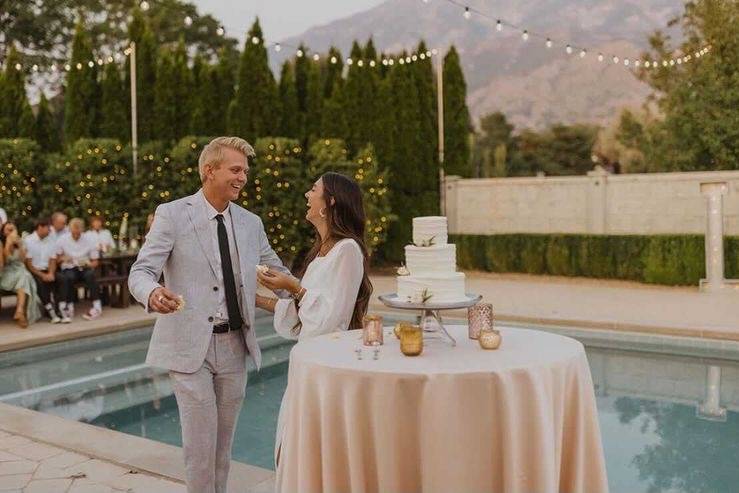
[280, 19]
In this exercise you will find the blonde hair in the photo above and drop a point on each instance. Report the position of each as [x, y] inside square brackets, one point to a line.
[213, 152]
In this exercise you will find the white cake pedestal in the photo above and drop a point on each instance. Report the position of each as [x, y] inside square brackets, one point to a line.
[431, 311]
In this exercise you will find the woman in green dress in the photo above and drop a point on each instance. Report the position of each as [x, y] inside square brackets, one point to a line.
[15, 277]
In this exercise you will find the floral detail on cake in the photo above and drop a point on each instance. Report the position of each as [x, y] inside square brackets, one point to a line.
[426, 243]
[420, 297]
[403, 271]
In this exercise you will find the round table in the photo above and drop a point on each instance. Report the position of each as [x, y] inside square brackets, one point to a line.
[454, 419]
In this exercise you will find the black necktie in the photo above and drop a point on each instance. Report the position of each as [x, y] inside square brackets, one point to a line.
[232, 300]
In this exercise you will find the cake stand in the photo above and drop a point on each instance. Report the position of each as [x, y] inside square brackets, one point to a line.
[430, 310]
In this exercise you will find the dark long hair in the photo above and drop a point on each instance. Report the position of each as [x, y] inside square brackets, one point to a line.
[346, 219]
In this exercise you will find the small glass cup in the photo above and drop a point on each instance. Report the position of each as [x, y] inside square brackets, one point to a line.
[372, 330]
[490, 339]
[411, 340]
[480, 319]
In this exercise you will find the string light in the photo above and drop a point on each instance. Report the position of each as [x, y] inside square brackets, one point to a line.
[525, 36]
[499, 25]
[278, 47]
[549, 43]
[316, 57]
[467, 13]
[144, 5]
[220, 31]
[188, 21]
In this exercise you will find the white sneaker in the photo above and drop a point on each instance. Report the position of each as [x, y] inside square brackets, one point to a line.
[92, 314]
[55, 318]
[66, 314]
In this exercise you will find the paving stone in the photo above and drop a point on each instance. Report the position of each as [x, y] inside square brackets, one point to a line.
[14, 482]
[13, 441]
[37, 451]
[97, 470]
[45, 471]
[6, 456]
[17, 467]
[47, 486]
[65, 459]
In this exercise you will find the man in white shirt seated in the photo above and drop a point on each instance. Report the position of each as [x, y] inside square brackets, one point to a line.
[99, 236]
[41, 262]
[58, 225]
[3, 216]
[78, 257]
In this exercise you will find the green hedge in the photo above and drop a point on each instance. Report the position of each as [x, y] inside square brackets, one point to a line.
[661, 259]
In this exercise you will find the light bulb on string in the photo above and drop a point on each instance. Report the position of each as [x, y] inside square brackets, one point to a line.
[67, 67]
[499, 25]
[384, 61]
[672, 63]
[549, 43]
[626, 62]
[90, 64]
[334, 60]
[525, 35]
[422, 56]
[637, 63]
[583, 53]
[434, 51]
[391, 62]
[255, 40]
[34, 68]
[100, 61]
[53, 67]
[568, 49]
[144, 5]
[600, 57]
[79, 66]
[360, 63]
[615, 59]
[647, 64]
[110, 59]
[664, 63]
[349, 61]
[188, 21]
[467, 14]
[372, 63]
[679, 61]
[299, 53]
[401, 61]
[316, 57]
[407, 59]
[220, 31]
[414, 58]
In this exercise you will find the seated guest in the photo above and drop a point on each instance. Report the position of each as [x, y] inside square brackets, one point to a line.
[3, 216]
[149, 222]
[78, 257]
[14, 276]
[41, 262]
[100, 236]
[58, 225]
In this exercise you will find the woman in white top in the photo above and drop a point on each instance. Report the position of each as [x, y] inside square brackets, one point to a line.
[332, 288]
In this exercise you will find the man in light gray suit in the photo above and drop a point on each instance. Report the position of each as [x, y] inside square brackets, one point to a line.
[207, 248]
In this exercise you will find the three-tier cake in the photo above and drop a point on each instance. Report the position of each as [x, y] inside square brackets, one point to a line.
[431, 265]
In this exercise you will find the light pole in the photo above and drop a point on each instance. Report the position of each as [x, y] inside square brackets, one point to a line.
[134, 122]
[440, 115]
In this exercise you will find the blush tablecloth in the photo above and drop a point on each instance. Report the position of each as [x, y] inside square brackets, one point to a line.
[518, 419]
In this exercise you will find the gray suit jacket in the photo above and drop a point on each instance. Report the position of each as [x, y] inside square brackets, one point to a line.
[179, 245]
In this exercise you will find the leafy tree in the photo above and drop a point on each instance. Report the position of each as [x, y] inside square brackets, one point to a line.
[493, 145]
[140, 32]
[14, 108]
[113, 121]
[20, 177]
[47, 130]
[289, 123]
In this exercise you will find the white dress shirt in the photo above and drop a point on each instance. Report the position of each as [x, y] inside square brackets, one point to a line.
[40, 251]
[80, 251]
[3, 216]
[331, 286]
[103, 238]
[221, 315]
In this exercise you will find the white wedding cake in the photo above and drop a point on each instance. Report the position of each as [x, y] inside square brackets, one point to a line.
[431, 265]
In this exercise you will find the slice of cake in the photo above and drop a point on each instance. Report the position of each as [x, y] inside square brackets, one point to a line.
[431, 264]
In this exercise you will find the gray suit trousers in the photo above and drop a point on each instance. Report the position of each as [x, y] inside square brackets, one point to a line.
[209, 403]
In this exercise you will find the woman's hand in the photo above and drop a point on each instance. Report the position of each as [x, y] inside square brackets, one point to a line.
[275, 280]
[266, 303]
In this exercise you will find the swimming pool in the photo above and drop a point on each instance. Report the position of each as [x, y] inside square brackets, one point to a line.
[670, 423]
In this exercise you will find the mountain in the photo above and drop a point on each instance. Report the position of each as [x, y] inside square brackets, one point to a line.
[534, 85]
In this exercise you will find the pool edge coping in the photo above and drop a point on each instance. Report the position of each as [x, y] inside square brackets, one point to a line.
[129, 451]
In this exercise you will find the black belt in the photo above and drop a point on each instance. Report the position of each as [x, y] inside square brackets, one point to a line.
[223, 328]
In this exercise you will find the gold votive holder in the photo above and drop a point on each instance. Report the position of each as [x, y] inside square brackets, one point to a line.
[372, 330]
[479, 319]
[490, 339]
[399, 327]
[411, 340]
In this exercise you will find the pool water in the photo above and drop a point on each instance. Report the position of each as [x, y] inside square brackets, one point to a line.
[669, 423]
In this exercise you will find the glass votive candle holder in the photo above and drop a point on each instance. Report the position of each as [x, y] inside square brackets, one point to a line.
[479, 319]
[372, 330]
[489, 339]
[411, 340]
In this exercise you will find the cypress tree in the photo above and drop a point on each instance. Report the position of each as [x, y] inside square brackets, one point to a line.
[146, 69]
[289, 122]
[354, 102]
[224, 81]
[314, 103]
[301, 78]
[81, 97]
[165, 100]
[182, 85]
[12, 97]
[456, 118]
[27, 122]
[113, 121]
[47, 134]
[333, 121]
[256, 99]
[332, 71]
[426, 151]
[200, 95]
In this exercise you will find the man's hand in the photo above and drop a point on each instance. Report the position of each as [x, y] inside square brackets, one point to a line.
[162, 300]
[47, 277]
